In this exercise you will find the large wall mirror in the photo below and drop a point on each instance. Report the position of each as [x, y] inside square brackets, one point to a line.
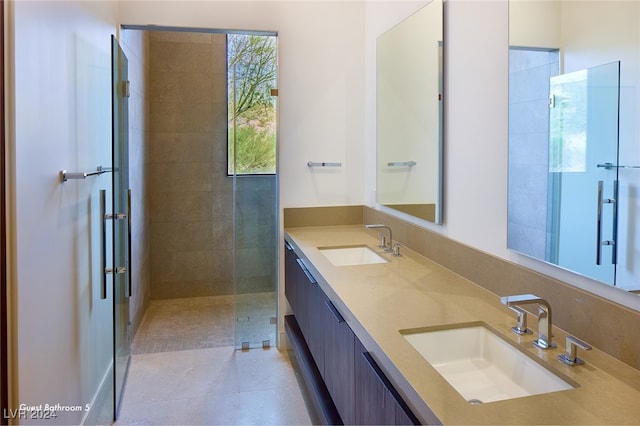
[574, 150]
[409, 69]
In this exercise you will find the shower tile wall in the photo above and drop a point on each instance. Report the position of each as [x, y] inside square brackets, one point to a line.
[189, 192]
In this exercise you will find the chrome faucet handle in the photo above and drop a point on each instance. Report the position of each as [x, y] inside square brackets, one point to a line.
[386, 247]
[395, 251]
[544, 340]
[570, 357]
[521, 327]
[383, 241]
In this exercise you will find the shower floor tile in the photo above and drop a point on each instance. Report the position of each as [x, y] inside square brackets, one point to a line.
[205, 322]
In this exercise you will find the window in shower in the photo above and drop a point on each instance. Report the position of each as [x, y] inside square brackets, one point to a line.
[252, 82]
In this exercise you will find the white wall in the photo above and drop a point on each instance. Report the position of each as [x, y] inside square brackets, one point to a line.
[59, 118]
[535, 23]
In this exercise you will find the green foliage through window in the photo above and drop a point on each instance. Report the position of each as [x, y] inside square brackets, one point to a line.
[251, 74]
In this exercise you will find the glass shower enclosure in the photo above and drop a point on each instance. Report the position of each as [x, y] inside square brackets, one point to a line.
[252, 141]
[121, 222]
[583, 159]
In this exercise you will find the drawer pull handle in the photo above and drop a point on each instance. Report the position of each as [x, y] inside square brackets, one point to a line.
[334, 311]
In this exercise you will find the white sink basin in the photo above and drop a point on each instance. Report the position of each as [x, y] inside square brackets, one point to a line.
[351, 255]
[482, 366]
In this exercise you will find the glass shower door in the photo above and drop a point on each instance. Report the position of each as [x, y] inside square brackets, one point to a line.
[255, 261]
[583, 158]
[252, 164]
[121, 272]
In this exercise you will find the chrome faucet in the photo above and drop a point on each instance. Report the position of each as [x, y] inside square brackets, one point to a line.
[383, 243]
[544, 316]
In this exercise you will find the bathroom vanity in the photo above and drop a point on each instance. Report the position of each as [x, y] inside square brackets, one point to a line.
[354, 318]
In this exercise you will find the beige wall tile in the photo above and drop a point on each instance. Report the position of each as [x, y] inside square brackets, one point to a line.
[222, 233]
[176, 177]
[182, 37]
[322, 216]
[181, 236]
[180, 147]
[181, 289]
[182, 266]
[180, 57]
[181, 87]
[180, 206]
[172, 117]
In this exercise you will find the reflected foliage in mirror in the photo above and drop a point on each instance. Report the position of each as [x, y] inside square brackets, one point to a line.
[573, 76]
[409, 115]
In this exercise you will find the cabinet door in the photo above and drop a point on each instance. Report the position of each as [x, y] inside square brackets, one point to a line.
[376, 401]
[339, 374]
[314, 334]
[296, 287]
[290, 277]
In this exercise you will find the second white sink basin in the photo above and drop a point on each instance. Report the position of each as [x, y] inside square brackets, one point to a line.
[351, 255]
[482, 366]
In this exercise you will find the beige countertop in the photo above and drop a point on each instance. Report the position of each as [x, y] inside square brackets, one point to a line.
[411, 291]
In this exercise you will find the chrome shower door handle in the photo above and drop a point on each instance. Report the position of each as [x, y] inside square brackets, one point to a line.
[614, 233]
[599, 241]
[104, 271]
[129, 243]
[599, 225]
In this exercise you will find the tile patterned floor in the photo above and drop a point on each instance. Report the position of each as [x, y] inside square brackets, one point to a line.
[185, 371]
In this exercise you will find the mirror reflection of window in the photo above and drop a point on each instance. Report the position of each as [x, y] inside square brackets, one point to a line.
[568, 103]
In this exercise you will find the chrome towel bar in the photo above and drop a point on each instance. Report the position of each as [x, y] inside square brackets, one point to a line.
[609, 166]
[323, 164]
[66, 175]
[401, 163]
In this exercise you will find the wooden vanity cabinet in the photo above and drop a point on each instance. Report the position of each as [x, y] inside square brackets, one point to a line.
[307, 302]
[376, 400]
[356, 387]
